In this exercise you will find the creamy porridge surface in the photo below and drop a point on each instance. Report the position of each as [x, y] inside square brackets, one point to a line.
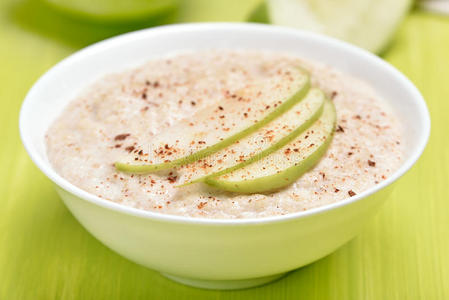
[118, 115]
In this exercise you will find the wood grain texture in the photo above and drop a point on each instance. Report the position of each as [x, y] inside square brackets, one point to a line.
[45, 253]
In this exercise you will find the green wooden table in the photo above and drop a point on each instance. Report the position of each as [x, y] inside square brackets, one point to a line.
[45, 253]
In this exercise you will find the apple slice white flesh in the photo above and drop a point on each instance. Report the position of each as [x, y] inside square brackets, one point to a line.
[284, 166]
[259, 144]
[367, 23]
[218, 126]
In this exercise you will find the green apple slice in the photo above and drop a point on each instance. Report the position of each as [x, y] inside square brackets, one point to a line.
[218, 126]
[284, 166]
[366, 23]
[259, 144]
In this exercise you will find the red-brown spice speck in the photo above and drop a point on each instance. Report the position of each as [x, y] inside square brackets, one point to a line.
[201, 205]
[351, 193]
[121, 137]
[129, 148]
[172, 179]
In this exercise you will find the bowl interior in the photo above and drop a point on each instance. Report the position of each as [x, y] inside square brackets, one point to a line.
[64, 81]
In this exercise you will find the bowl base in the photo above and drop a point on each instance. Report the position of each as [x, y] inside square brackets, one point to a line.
[224, 284]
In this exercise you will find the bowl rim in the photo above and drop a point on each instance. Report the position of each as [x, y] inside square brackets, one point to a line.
[71, 188]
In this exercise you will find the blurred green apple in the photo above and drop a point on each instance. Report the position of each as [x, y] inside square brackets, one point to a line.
[369, 24]
[114, 10]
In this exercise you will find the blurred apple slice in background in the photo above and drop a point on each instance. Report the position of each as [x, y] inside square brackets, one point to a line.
[114, 10]
[369, 24]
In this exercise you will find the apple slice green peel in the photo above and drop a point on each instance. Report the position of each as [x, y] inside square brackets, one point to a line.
[215, 127]
[284, 166]
[259, 144]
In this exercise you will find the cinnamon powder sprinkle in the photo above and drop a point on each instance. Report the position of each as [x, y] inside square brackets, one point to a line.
[121, 137]
[371, 163]
[129, 148]
[172, 179]
[201, 205]
[351, 193]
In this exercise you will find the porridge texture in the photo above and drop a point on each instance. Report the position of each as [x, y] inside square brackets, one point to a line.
[117, 117]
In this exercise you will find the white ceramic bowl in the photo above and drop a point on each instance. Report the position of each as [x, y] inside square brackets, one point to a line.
[224, 254]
